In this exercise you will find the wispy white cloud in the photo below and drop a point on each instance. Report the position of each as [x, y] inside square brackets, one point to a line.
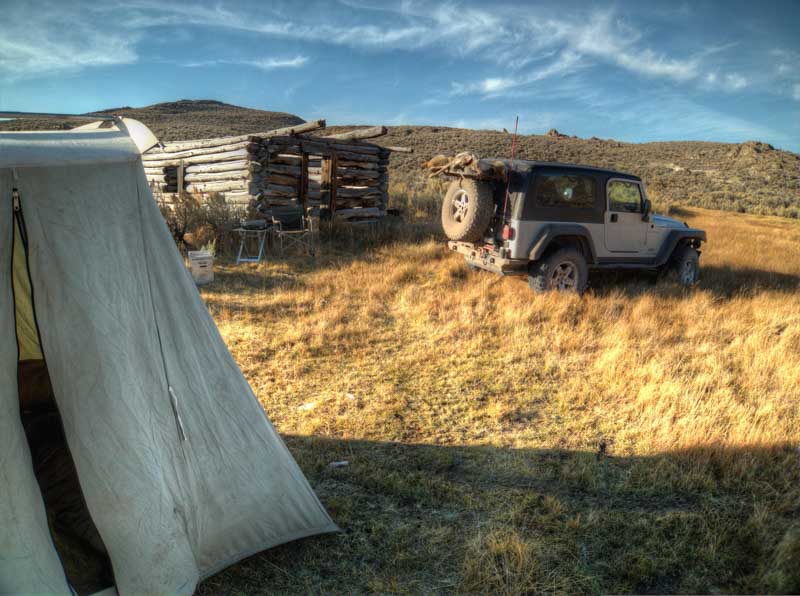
[669, 115]
[499, 35]
[719, 48]
[787, 71]
[729, 81]
[607, 37]
[735, 81]
[602, 37]
[521, 42]
[567, 62]
[787, 62]
[55, 39]
[260, 63]
[264, 21]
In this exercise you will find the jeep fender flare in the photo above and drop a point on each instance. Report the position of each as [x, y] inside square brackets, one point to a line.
[676, 237]
[551, 232]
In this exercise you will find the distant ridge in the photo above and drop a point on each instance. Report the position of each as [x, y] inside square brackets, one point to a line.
[182, 119]
[750, 177]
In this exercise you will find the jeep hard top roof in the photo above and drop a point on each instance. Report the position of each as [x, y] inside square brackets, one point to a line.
[524, 166]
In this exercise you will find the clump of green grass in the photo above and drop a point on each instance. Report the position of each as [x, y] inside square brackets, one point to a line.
[784, 572]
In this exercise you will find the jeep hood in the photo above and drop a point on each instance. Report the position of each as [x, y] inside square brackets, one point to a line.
[663, 221]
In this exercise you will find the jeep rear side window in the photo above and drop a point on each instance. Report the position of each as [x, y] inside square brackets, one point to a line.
[560, 190]
[624, 196]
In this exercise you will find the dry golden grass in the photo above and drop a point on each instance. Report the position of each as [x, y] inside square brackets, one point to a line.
[471, 411]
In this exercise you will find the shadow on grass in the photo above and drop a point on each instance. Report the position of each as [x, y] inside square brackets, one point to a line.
[721, 280]
[342, 245]
[429, 518]
[347, 242]
[728, 281]
[232, 279]
[338, 247]
[677, 211]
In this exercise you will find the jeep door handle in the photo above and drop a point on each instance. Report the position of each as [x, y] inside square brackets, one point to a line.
[613, 217]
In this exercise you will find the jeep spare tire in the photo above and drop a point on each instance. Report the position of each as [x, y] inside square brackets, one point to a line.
[467, 210]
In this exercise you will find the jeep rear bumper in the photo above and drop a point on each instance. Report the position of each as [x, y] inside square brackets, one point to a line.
[488, 258]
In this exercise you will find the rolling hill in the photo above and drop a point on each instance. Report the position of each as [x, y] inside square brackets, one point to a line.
[750, 177]
[183, 119]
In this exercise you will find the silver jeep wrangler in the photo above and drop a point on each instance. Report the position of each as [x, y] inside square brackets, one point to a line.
[553, 222]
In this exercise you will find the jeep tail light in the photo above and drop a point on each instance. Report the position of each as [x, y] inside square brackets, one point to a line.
[508, 232]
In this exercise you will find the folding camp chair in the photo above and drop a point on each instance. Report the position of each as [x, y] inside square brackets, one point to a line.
[293, 228]
[252, 238]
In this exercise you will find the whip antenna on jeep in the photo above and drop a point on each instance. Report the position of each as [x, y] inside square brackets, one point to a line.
[510, 169]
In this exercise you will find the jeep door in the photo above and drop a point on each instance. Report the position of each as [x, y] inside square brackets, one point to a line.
[624, 229]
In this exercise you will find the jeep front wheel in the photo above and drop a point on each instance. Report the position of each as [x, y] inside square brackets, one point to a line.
[467, 210]
[684, 267]
[564, 270]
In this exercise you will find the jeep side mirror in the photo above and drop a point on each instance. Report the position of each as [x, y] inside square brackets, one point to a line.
[646, 210]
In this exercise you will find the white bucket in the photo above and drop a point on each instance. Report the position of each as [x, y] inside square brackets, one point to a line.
[202, 265]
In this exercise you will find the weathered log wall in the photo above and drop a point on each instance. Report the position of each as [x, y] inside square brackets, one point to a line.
[342, 174]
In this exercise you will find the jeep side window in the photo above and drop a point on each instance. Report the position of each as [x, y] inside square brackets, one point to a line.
[560, 190]
[624, 196]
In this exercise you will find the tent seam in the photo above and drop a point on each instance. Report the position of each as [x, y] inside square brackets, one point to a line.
[170, 392]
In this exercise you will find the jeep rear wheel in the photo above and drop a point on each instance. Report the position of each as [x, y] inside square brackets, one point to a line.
[467, 210]
[564, 270]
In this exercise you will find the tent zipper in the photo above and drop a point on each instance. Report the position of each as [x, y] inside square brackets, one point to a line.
[19, 222]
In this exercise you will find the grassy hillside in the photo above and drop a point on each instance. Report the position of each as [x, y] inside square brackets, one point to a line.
[472, 411]
[184, 119]
[749, 177]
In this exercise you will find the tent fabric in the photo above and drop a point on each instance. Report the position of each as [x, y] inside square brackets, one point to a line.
[141, 136]
[29, 563]
[39, 149]
[181, 471]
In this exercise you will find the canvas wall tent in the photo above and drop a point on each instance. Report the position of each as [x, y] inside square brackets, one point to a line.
[172, 470]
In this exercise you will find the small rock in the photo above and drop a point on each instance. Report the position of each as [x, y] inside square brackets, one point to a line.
[306, 407]
[554, 133]
[339, 464]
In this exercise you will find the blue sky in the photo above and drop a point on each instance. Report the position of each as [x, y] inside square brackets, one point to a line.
[634, 71]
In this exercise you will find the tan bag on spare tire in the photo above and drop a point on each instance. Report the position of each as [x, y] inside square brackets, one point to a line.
[467, 210]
